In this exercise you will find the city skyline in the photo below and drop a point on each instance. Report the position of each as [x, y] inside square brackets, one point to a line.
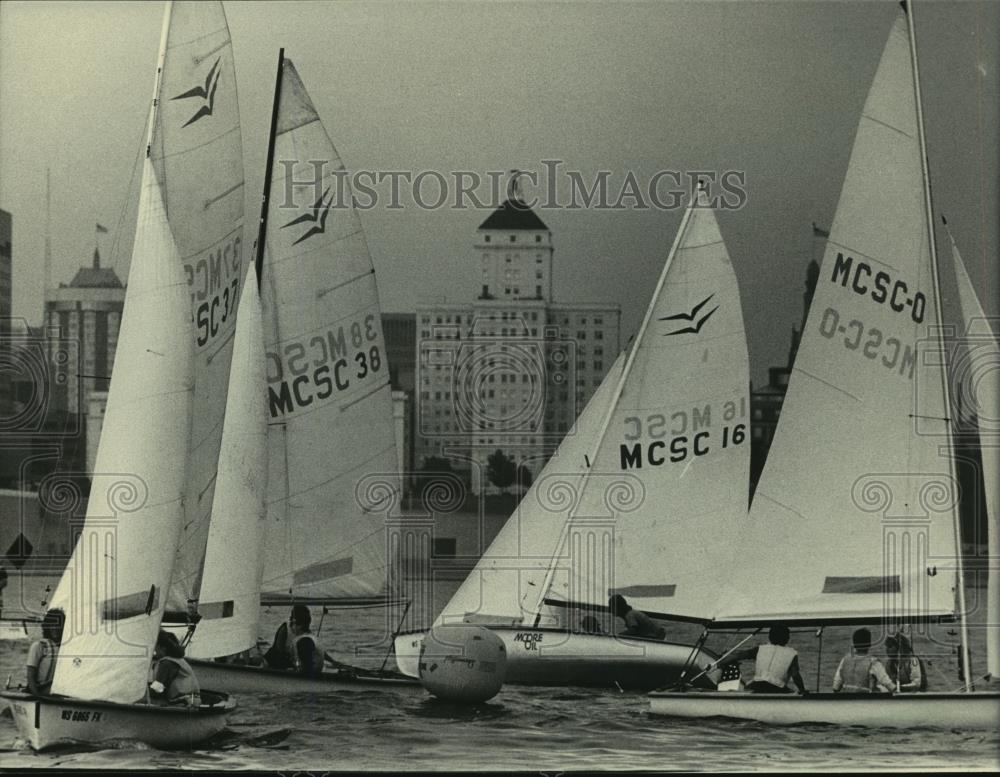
[773, 90]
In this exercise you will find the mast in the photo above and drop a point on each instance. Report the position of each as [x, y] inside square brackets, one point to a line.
[619, 387]
[929, 219]
[161, 58]
[47, 282]
[266, 196]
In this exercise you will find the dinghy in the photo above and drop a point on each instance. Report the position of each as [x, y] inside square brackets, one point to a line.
[635, 500]
[859, 484]
[174, 344]
[291, 516]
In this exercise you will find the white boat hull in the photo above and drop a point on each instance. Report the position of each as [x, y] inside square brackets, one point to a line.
[550, 657]
[903, 710]
[51, 721]
[240, 678]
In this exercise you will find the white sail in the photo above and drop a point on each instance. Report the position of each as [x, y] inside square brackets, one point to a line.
[330, 410]
[853, 517]
[979, 372]
[679, 433]
[506, 584]
[640, 497]
[197, 152]
[114, 588]
[230, 589]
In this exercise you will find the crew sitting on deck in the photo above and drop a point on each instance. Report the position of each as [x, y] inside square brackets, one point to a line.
[775, 664]
[300, 651]
[41, 663]
[637, 623]
[174, 681]
[859, 672]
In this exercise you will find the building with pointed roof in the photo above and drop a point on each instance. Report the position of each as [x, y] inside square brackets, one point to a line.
[511, 369]
[82, 320]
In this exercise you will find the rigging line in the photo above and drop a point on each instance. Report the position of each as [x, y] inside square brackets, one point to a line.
[861, 254]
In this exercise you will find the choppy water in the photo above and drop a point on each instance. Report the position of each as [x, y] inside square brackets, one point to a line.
[526, 728]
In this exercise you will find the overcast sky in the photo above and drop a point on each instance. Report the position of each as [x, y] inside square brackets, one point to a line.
[770, 88]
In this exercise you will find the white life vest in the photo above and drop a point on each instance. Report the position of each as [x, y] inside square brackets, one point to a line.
[773, 663]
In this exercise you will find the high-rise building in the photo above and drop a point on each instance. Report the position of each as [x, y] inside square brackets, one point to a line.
[81, 323]
[512, 369]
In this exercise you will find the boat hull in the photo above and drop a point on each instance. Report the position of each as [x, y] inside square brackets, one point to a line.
[240, 678]
[550, 657]
[904, 710]
[14, 629]
[51, 721]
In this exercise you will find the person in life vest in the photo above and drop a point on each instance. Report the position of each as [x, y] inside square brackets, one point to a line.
[775, 664]
[904, 668]
[304, 651]
[174, 681]
[41, 664]
[637, 623]
[859, 672]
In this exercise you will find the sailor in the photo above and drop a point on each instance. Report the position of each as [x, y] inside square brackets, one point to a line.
[41, 663]
[304, 650]
[859, 672]
[174, 681]
[637, 623]
[775, 664]
[904, 668]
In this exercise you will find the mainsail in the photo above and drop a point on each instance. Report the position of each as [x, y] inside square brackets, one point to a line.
[197, 153]
[979, 371]
[230, 587]
[655, 474]
[113, 591]
[853, 517]
[329, 402]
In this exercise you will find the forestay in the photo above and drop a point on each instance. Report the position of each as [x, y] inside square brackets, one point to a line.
[329, 404]
[113, 591]
[230, 588]
[978, 373]
[197, 153]
[853, 516]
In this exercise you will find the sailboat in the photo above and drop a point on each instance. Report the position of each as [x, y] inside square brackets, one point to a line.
[633, 502]
[137, 539]
[856, 484]
[328, 417]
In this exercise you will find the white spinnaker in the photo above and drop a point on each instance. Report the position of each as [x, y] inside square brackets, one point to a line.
[113, 591]
[979, 374]
[197, 152]
[854, 512]
[330, 410]
[230, 587]
[670, 481]
[506, 584]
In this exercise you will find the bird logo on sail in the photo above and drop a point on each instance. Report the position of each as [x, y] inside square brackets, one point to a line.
[320, 211]
[206, 92]
[692, 317]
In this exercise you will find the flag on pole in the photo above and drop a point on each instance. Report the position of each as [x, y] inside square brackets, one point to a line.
[817, 232]
[101, 229]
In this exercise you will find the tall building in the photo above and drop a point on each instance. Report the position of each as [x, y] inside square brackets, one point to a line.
[512, 369]
[766, 401]
[6, 267]
[82, 322]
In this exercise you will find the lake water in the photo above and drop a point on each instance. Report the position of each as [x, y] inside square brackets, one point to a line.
[524, 728]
